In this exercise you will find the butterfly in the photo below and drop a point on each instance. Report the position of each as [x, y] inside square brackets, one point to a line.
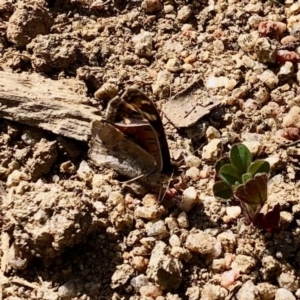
[132, 139]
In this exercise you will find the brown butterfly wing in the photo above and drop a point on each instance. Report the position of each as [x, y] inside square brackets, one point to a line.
[139, 103]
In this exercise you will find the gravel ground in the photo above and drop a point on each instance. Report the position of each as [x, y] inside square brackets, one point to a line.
[72, 230]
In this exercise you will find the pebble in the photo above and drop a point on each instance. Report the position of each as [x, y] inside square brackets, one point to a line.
[67, 290]
[151, 6]
[173, 65]
[212, 133]
[248, 291]
[200, 243]
[243, 264]
[193, 173]
[292, 119]
[156, 229]
[189, 199]
[266, 291]
[121, 275]
[227, 240]
[139, 263]
[184, 13]
[85, 172]
[228, 278]
[288, 281]
[269, 79]
[147, 212]
[284, 294]
[139, 281]
[213, 292]
[151, 291]
[171, 222]
[181, 253]
[183, 220]
[107, 91]
[192, 161]
[161, 86]
[266, 52]
[174, 241]
[15, 178]
[286, 71]
[254, 147]
[233, 211]
[212, 149]
[286, 219]
[143, 44]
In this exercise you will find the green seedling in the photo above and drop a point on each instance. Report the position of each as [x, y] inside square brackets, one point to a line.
[246, 181]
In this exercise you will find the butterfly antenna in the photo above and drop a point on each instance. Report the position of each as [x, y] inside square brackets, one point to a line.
[133, 179]
[192, 153]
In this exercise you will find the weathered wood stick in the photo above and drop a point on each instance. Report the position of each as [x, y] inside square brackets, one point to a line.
[48, 104]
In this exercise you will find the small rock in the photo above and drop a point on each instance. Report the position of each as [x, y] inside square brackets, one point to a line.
[67, 290]
[288, 281]
[150, 200]
[193, 173]
[115, 198]
[174, 241]
[168, 8]
[286, 71]
[156, 229]
[248, 291]
[233, 211]
[218, 265]
[139, 281]
[184, 13]
[151, 6]
[228, 278]
[173, 65]
[266, 291]
[143, 44]
[243, 263]
[286, 219]
[254, 147]
[213, 292]
[269, 79]
[67, 167]
[266, 52]
[227, 240]
[161, 86]
[216, 82]
[284, 294]
[85, 172]
[151, 291]
[189, 199]
[147, 212]
[139, 263]
[183, 220]
[262, 95]
[200, 243]
[212, 133]
[193, 293]
[171, 222]
[212, 149]
[15, 178]
[164, 269]
[192, 161]
[107, 91]
[121, 275]
[181, 253]
[292, 119]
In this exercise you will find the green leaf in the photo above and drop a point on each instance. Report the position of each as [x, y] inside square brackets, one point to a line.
[246, 177]
[254, 192]
[240, 157]
[230, 175]
[222, 190]
[259, 166]
[221, 162]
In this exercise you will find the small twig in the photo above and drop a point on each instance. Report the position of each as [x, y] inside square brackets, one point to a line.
[290, 144]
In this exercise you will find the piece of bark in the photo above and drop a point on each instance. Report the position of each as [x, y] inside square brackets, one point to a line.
[48, 104]
[187, 107]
